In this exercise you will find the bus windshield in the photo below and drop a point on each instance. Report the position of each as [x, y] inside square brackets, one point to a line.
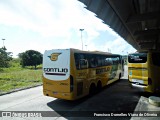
[137, 58]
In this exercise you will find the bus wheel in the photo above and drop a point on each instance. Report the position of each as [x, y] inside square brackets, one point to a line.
[92, 89]
[99, 86]
[119, 76]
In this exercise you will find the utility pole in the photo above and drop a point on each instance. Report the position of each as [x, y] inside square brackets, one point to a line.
[81, 37]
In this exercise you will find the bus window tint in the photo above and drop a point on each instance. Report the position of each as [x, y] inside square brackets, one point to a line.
[95, 60]
[79, 60]
[156, 59]
[100, 60]
[108, 61]
[137, 58]
[83, 64]
[115, 60]
[92, 60]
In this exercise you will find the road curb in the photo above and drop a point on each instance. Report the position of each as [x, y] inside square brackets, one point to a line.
[20, 89]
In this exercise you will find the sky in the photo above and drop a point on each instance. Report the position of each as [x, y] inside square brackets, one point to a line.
[55, 24]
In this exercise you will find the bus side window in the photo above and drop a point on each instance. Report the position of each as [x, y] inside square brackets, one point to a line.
[83, 64]
[103, 61]
[109, 61]
[118, 60]
[77, 58]
[99, 61]
[93, 63]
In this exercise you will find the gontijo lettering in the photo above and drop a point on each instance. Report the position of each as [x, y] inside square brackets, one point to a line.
[56, 71]
[61, 70]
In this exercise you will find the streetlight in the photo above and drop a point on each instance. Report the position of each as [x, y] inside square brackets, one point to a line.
[3, 42]
[81, 37]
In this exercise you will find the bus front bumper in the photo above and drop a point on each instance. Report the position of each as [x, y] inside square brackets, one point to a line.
[138, 87]
[142, 88]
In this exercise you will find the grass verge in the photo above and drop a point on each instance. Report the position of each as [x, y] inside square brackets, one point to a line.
[11, 80]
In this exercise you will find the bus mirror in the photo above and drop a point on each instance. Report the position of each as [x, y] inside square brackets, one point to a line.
[83, 64]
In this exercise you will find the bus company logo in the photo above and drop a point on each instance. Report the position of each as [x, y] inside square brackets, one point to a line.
[54, 56]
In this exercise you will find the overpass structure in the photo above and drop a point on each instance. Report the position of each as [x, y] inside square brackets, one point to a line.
[137, 21]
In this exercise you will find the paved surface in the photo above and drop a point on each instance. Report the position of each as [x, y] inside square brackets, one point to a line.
[115, 98]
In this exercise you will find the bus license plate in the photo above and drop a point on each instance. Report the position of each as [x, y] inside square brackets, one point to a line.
[138, 81]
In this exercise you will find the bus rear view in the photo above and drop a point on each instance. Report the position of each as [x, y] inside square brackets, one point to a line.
[56, 74]
[138, 70]
[143, 70]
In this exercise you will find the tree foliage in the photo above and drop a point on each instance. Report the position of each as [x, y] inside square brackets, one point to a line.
[30, 58]
[5, 57]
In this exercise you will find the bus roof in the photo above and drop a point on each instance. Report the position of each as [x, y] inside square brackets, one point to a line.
[145, 51]
[89, 52]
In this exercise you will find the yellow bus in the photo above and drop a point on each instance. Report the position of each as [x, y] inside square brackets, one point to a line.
[72, 74]
[144, 70]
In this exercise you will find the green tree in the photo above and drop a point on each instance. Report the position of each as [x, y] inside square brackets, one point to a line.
[30, 58]
[5, 57]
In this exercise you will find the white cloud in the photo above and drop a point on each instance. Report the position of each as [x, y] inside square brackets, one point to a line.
[117, 46]
[57, 23]
[47, 18]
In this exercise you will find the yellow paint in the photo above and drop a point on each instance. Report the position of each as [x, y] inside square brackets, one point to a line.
[145, 71]
[54, 56]
[81, 77]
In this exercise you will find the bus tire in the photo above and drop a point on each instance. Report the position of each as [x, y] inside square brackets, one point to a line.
[92, 89]
[99, 86]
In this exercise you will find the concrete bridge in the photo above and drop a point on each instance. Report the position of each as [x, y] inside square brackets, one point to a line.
[137, 21]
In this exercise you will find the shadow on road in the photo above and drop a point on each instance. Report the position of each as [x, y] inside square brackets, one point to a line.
[65, 105]
[115, 98]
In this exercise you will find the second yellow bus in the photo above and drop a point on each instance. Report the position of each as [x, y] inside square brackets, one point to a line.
[144, 70]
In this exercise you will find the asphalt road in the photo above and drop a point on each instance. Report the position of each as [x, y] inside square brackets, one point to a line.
[115, 98]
